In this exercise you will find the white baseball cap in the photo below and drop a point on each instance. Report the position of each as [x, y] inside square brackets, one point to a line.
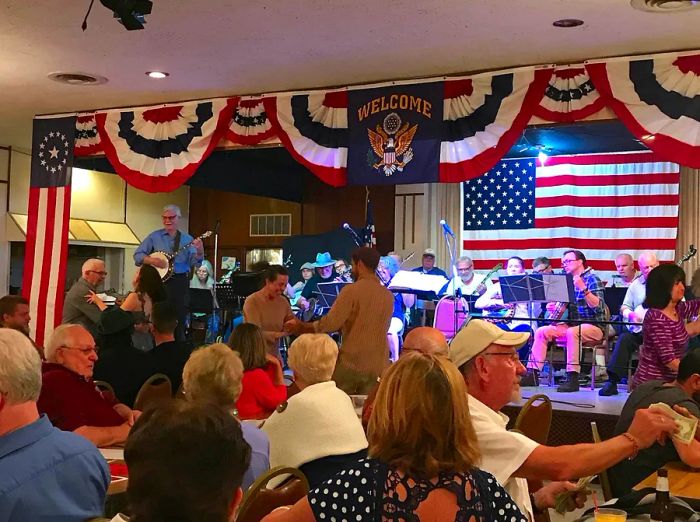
[477, 335]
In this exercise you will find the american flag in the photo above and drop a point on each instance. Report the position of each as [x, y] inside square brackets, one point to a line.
[601, 204]
[369, 232]
[44, 276]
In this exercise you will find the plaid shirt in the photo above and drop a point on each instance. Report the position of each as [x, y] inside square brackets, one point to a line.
[580, 309]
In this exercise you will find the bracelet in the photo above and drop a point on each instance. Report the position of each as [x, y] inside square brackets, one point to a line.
[586, 292]
[635, 445]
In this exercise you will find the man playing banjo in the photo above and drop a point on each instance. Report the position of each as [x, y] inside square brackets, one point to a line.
[169, 240]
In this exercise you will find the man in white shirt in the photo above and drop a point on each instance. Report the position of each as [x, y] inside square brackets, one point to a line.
[632, 311]
[467, 281]
[487, 357]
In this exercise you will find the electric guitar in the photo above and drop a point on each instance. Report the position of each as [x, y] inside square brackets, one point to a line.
[166, 272]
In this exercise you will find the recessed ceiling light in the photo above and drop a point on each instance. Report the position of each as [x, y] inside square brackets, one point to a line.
[567, 22]
[157, 74]
[665, 6]
[77, 78]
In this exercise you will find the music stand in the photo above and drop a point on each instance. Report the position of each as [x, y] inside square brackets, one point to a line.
[201, 301]
[328, 292]
[542, 288]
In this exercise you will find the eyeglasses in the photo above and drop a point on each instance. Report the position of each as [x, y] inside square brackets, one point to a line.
[103, 274]
[85, 350]
[465, 269]
[514, 357]
[567, 261]
[169, 218]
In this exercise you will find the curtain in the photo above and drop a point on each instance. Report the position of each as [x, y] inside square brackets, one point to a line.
[688, 222]
[447, 207]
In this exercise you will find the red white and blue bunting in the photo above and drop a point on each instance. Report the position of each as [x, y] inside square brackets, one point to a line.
[314, 129]
[87, 139]
[658, 100]
[158, 149]
[249, 124]
[483, 117]
[569, 96]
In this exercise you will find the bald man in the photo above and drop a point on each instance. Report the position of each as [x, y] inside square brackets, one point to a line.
[423, 339]
[626, 273]
[76, 309]
[633, 312]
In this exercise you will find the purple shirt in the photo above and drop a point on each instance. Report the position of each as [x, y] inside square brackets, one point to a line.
[259, 453]
[664, 341]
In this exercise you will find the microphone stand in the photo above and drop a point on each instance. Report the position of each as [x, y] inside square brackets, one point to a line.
[216, 323]
[452, 250]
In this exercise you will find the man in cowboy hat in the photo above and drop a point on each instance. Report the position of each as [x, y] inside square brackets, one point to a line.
[325, 273]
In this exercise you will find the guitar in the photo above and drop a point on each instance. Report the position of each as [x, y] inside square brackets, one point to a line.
[167, 272]
[689, 253]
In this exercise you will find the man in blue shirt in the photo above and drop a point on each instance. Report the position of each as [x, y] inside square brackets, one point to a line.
[428, 264]
[169, 239]
[45, 474]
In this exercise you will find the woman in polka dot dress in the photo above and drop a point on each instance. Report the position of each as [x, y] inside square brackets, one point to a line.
[422, 457]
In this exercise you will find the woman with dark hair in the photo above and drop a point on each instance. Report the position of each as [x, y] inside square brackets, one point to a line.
[665, 330]
[423, 456]
[263, 380]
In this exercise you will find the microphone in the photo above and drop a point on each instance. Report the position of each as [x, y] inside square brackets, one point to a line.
[446, 228]
[357, 238]
[217, 226]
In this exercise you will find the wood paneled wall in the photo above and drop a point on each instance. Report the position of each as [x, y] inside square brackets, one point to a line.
[324, 208]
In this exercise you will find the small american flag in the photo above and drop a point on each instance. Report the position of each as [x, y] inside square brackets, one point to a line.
[601, 204]
[44, 276]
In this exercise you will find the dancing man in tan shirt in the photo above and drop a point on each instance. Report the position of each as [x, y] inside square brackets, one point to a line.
[362, 313]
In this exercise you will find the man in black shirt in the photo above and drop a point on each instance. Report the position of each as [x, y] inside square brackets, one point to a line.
[169, 356]
[684, 392]
[428, 264]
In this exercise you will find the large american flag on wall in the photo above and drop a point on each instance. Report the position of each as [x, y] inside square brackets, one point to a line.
[45, 260]
[601, 204]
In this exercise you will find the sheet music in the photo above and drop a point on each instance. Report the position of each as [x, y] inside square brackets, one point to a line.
[409, 280]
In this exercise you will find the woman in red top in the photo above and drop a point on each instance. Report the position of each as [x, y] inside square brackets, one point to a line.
[263, 380]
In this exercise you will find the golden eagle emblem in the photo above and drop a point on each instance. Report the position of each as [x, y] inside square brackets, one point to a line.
[391, 143]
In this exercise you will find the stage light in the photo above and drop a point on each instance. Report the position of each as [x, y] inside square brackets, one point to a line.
[157, 74]
[130, 13]
[542, 156]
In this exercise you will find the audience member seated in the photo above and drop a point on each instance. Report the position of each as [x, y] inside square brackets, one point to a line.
[213, 374]
[665, 330]
[68, 395]
[425, 339]
[422, 457]
[488, 359]
[263, 380]
[316, 430]
[76, 308]
[169, 356]
[683, 392]
[14, 313]
[186, 462]
[45, 474]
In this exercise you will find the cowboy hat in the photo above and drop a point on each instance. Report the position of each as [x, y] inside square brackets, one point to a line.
[323, 259]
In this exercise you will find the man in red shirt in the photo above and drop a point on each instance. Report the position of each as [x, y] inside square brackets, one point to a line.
[69, 396]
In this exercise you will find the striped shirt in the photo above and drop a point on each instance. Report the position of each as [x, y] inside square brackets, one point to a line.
[665, 340]
[362, 312]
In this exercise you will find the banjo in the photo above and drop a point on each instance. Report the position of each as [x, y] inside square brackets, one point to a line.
[167, 272]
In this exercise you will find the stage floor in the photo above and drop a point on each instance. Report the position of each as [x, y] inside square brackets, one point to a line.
[573, 413]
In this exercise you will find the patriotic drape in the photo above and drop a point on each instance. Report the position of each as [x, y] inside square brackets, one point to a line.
[44, 278]
[658, 99]
[249, 124]
[569, 96]
[600, 204]
[158, 149]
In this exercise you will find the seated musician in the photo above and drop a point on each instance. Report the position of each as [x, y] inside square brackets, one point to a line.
[428, 264]
[626, 273]
[492, 302]
[325, 273]
[386, 271]
[307, 272]
[590, 304]
[467, 281]
[631, 337]
[542, 265]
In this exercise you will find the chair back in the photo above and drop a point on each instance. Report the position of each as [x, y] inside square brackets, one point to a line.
[156, 389]
[535, 418]
[603, 475]
[259, 501]
[446, 310]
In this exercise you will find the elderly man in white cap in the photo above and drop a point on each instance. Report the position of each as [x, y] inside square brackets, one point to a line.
[488, 359]
[428, 264]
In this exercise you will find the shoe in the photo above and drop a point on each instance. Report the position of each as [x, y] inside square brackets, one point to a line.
[608, 389]
[571, 383]
[531, 378]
